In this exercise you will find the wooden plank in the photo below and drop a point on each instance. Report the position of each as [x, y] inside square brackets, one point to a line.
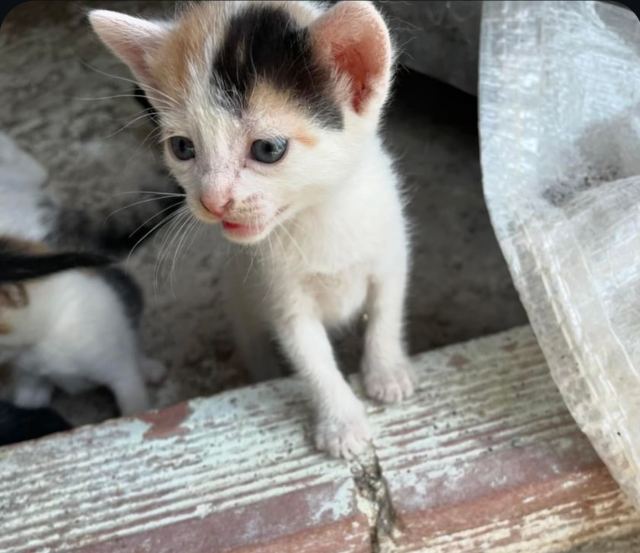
[233, 473]
[487, 458]
[484, 458]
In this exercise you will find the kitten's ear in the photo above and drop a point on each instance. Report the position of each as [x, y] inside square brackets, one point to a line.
[132, 39]
[353, 39]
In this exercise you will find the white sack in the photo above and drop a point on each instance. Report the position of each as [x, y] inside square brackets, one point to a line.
[559, 98]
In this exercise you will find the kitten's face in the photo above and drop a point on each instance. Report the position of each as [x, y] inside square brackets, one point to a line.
[254, 169]
[262, 106]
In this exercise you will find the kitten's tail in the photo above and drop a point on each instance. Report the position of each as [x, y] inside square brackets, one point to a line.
[18, 264]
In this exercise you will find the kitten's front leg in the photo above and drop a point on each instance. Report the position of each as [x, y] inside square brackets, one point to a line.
[387, 372]
[341, 426]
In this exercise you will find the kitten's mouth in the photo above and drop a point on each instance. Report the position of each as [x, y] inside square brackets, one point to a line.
[240, 231]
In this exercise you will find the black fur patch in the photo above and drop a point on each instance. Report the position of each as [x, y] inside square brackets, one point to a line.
[265, 43]
[18, 425]
[18, 266]
[127, 290]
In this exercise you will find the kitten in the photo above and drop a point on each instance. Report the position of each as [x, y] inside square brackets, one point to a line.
[270, 114]
[66, 318]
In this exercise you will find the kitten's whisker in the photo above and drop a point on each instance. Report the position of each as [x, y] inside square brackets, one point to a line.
[172, 233]
[184, 230]
[246, 276]
[198, 227]
[117, 77]
[158, 225]
[126, 125]
[163, 194]
[154, 135]
[115, 97]
[128, 206]
[295, 244]
[172, 206]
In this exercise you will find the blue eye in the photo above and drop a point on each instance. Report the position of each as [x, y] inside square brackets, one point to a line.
[182, 148]
[269, 151]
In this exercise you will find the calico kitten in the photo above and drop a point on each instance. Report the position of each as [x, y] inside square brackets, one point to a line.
[67, 318]
[270, 114]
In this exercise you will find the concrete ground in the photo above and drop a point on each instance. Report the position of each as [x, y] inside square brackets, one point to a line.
[53, 74]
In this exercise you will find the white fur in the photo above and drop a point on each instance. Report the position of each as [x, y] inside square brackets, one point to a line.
[330, 238]
[74, 334]
[342, 257]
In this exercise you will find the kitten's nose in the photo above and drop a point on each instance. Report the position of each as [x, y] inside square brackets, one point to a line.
[216, 206]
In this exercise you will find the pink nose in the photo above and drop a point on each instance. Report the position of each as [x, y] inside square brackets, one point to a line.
[215, 206]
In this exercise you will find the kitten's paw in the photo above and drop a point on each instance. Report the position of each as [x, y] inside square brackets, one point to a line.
[345, 436]
[390, 385]
[153, 371]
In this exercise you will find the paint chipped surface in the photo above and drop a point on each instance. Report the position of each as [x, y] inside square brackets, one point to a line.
[168, 422]
[486, 457]
[483, 458]
[229, 471]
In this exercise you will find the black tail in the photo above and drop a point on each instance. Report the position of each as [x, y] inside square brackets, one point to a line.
[16, 266]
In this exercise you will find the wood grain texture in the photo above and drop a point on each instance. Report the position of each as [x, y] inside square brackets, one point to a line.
[484, 458]
[487, 458]
[228, 474]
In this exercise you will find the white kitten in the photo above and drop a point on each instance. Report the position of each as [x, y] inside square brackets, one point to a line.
[270, 114]
[65, 319]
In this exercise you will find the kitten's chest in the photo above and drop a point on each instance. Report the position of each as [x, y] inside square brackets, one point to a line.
[337, 297]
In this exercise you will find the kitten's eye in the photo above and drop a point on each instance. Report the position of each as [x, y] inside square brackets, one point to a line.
[269, 151]
[182, 148]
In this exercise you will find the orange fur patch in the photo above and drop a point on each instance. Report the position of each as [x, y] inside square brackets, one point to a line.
[268, 104]
[186, 46]
[306, 139]
[23, 246]
[13, 296]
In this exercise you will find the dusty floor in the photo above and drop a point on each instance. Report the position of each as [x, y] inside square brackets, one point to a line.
[50, 63]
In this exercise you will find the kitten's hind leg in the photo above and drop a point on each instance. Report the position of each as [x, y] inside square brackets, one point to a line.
[131, 394]
[123, 376]
[31, 391]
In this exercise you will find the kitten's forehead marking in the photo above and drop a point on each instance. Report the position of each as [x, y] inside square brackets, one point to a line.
[265, 44]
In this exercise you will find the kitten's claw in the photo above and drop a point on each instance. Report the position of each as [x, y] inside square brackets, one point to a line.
[390, 385]
[343, 437]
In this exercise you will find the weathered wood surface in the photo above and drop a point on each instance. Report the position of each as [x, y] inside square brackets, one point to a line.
[484, 458]
[487, 458]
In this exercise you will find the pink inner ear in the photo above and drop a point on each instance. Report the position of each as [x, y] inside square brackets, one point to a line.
[352, 63]
[359, 47]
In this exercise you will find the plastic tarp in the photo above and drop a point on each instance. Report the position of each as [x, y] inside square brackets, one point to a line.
[559, 97]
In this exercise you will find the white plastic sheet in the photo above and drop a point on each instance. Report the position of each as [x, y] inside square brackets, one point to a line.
[559, 98]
